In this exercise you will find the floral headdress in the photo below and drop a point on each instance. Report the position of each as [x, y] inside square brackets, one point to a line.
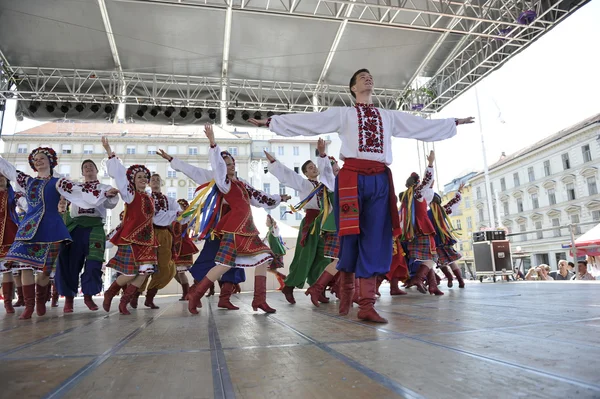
[183, 203]
[47, 151]
[134, 170]
[227, 154]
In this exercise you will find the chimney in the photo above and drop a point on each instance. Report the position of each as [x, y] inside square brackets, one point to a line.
[502, 156]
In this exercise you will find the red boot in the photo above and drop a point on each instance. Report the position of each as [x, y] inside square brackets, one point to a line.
[109, 294]
[20, 298]
[366, 303]
[49, 291]
[191, 290]
[380, 279]
[356, 297]
[335, 286]
[194, 297]
[150, 294]
[260, 295]
[68, 304]
[28, 301]
[184, 291]
[346, 292]
[458, 274]
[237, 289]
[394, 288]
[211, 290]
[225, 295]
[432, 283]
[89, 302]
[316, 290]
[448, 275]
[281, 280]
[7, 292]
[417, 280]
[41, 295]
[134, 299]
[126, 298]
[54, 303]
[288, 292]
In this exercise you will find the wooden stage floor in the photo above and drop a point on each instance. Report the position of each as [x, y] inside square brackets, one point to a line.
[503, 340]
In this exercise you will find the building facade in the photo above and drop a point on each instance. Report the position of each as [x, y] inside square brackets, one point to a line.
[463, 220]
[541, 190]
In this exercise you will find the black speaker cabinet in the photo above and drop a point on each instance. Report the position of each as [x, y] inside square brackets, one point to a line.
[492, 257]
[489, 235]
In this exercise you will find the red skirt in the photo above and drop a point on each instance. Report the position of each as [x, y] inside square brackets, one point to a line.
[422, 248]
[243, 251]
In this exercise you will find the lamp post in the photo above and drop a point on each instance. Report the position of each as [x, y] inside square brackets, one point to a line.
[488, 191]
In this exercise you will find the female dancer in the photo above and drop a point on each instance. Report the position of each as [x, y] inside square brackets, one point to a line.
[240, 244]
[136, 255]
[183, 250]
[273, 239]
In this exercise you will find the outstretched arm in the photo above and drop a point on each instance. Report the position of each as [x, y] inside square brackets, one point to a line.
[325, 169]
[216, 161]
[117, 171]
[198, 175]
[311, 124]
[287, 176]
[415, 127]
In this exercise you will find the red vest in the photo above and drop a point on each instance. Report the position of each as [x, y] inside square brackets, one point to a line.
[137, 227]
[423, 225]
[239, 218]
[8, 228]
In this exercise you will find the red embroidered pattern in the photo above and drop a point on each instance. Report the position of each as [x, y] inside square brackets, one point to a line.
[260, 196]
[22, 179]
[370, 128]
[91, 187]
[160, 202]
[451, 203]
[424, 183]
[66, 185]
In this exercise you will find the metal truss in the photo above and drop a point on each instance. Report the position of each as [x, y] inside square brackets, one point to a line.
[89, 86]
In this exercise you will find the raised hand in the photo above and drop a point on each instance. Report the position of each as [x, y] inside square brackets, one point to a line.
[285, 197]
[258, 122]
[106, 146]
[112, 192]
[465, 121]
[164, 155]
[270, 157]
[321, 146]
[210, 134]
[461, 187]
[431, 158]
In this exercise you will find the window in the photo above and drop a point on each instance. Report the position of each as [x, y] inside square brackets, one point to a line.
[531, 173]
[296, 150]
[480, 212]
[191, 192]
[458, 225]
[534, 201]
[67, 149]
[267, 188]
[64, 170]
[592, 187]
[522, 229]
[575, 221]
[172, 192]
[130, 149]
[552, 196]
[503, 184]
[469, 223]
[596, 216]
[297, 169]
[280, 150]
[516, 179]
[565, 161]
[468, 203]
[538, 226]
[192, 150]
[22, 149]
[460, 246]
[298, 216]
[233, 151]
[88, 149]
[519, 205]
[282, 213]
[556, 223]
[587, 154]
[171, 173]
[151, 150]
[281, 189]
[571, 191]
[172, 150]
[505, 206]
[547, 171]
[478, 193]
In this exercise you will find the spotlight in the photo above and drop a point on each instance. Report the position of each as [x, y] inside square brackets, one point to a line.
[270, 114]
[155, 111]
[212, 114]
[33, 107]
[95, 108]
[198, 113]
[1, 106]
[108, 108]
[183, 112]
[80, 107]
[230, 115]
[141, 110]
[245, 115]
[50, 107]
[65, 107]
[169, 111]
[257, 115]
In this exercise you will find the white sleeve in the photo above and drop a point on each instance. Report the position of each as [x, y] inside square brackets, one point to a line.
[452, 205]
[289, 178]
[8, 170]
[117, 171]
[326, 173]
[261, 199]
[198, 175]
[219, 169]
[424, 188]
[414, 127]
[86, 197]
[276, 231]
[311, 124]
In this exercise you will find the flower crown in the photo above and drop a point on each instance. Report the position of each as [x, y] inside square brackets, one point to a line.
[47, 151]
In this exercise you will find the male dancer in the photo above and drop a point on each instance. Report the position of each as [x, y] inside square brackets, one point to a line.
[366, 210]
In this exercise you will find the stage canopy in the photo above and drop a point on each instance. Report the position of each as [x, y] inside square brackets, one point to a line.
[186, 61]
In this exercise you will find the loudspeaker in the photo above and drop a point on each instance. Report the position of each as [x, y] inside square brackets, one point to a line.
[492, 256]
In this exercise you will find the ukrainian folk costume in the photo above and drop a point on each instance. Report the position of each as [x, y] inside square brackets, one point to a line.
[366, 210]
[274, 241]
[183, 249]
[8, 230]
[309, 260]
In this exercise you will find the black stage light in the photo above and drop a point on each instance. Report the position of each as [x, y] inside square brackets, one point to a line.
[270, 114]
[50, 107]
[198, 113]
[155, 111]
[33, 107]
[95, 108]
[80, 107]
[230, 115]
[65, 107]
[183, 112]
[257, 115]
[212, 114]
[108, 108]
[169, 111]
[141, 110]
[245, 115]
